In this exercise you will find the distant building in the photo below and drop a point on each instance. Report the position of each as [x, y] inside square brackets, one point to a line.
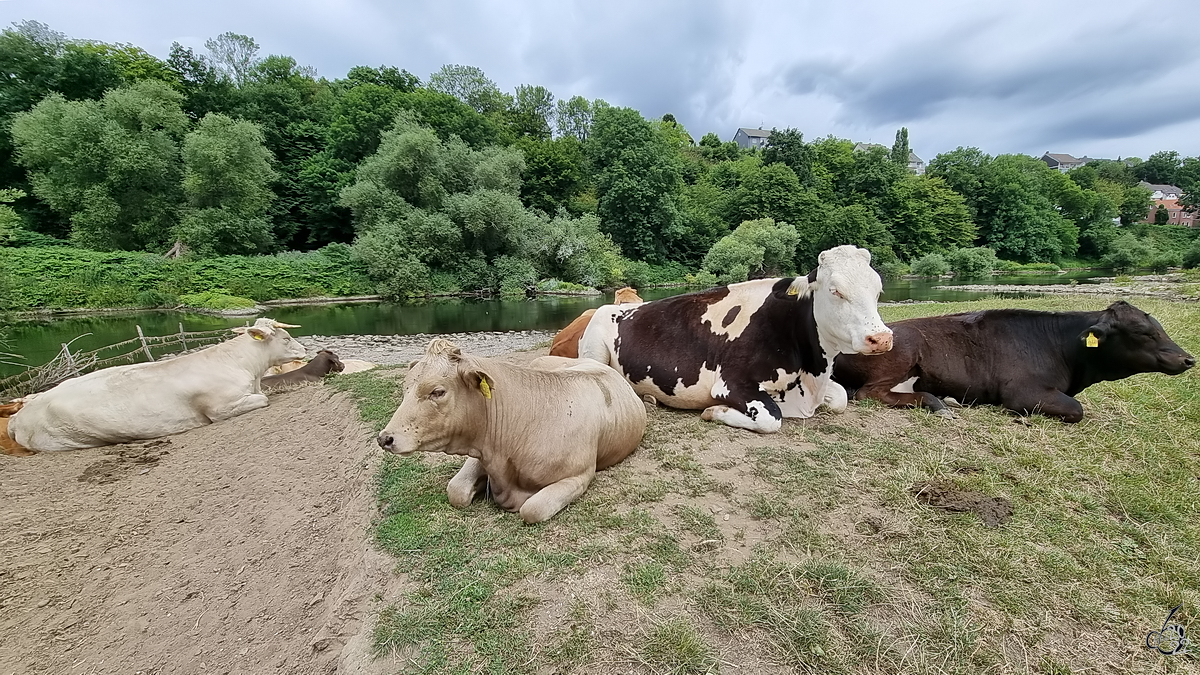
[751, 138]
[1168, 197]
[1162, 191]
[1063, 162]
[915, 164]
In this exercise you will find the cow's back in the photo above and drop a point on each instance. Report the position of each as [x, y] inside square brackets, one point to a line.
[566, 342]
[123, 403]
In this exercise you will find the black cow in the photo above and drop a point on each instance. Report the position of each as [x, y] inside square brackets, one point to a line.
[1027, 361]
[322, 364]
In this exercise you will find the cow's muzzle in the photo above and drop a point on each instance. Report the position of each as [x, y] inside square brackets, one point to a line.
[878, 343]
[394, 444]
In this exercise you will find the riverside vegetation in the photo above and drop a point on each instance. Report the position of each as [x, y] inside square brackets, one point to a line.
[712, 549]
[448, 184]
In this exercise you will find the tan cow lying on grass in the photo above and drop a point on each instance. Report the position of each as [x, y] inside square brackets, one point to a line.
[148, 400]
[535, 434]
[566, 342]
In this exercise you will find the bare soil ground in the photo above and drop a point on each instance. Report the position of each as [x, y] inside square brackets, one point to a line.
[239, 547]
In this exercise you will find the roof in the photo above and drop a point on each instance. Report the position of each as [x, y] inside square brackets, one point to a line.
[756, 133]
[1160, 188]
[1061, 157]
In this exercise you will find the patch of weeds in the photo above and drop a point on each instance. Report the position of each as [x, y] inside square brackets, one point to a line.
[645, 580]
[698, 522]
[791, 470]
[665, 549]
[674, 646]
[377, 392]
[846, 589]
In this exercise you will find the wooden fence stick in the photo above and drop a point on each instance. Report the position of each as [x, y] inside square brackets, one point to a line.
[182, 338]
[145, 347]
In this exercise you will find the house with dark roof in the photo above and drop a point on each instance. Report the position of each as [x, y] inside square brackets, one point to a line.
[1064, 162]
[915, 164]
[1162, 191]
[1167, 197]
[752, 138]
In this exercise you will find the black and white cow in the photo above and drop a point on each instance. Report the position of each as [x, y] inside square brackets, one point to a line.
[752, 353]
[1027, 361]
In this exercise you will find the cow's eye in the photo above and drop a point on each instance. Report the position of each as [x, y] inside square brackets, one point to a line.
[837, 293]
[437, 393]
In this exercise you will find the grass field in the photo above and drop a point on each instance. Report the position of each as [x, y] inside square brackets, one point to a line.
[712, 549]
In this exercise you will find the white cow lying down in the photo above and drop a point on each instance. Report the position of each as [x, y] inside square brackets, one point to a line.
[148, 400]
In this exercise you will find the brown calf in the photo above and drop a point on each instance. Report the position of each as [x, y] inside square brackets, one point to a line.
[323, 363]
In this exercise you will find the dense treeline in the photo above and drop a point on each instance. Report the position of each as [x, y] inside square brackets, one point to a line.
[450, 184]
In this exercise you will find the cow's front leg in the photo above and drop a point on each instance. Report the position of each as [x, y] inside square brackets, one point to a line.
[756, 412]
[555, 497]
[241, 406]
[1052, 403]
[835, 398]
[467, 483]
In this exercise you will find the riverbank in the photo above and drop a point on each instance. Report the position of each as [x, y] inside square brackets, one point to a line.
[397, 349]
[1176, 286]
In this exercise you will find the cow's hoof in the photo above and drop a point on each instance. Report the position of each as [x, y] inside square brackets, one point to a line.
[710, 413]
[650, 401]
[952, 402]
[945, 413]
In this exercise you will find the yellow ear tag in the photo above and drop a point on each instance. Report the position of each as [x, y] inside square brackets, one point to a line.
[256, 336]
[483, 386]
[1092, 340]
[792, 290]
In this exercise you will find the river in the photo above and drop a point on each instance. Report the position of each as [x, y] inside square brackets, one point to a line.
[38, 340]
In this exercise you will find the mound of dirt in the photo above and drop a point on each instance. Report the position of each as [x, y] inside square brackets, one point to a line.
[240, 547]
[945, 494]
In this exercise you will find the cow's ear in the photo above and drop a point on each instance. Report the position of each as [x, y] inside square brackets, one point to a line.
[260, 332]
[238, 329]
[481, 381]
[1094, 336]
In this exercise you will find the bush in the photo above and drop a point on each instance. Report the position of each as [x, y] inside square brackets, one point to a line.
[1127, 252]
[931, 265]
[1192, 257]
[1161, 261]
[215, 300]
[155, 298]
[756, 247]
[702, 279]
[973, 262]
[516, 275]
[1007, 266]
[892, 269]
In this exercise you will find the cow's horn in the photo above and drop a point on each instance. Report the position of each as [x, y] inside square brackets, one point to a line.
[277, 324]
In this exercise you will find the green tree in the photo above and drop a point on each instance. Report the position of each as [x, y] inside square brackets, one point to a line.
[900, 149]
[757, 248]
[112, 167]
[233, 55]
[788, 147]
[227, 177]
[469, 85]
[533, 108]
[554, 172]
[1161, 168]
[1161, 215]
[638, 182]
[573, 117]
[926, 216]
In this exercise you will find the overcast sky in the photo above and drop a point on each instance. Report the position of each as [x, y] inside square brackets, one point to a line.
[1102, 78]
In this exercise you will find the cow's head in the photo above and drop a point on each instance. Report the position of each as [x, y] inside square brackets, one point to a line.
[271, 336]
[845, 297]
[332, 363]
[626, 296]
[444, 395]
[1127, 340]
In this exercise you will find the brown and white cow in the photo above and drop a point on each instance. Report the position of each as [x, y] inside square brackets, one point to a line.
[751, 353]
[566, 342]
[536, 435]
[1027, 361]
[322, 364]
[148, 400]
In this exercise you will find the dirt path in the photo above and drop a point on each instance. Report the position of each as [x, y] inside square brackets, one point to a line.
[235, 548]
